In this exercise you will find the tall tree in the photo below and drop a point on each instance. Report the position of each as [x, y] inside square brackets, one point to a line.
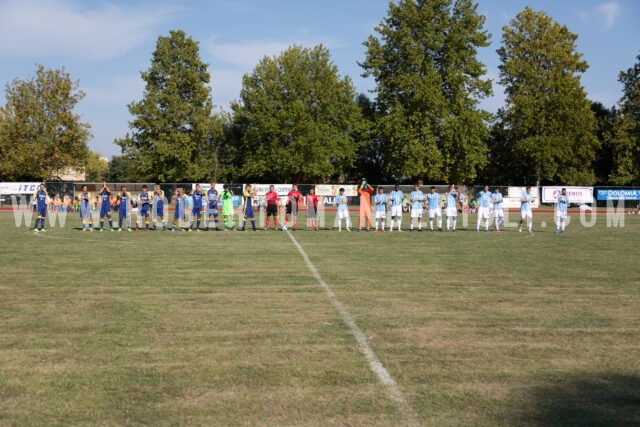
[95, 167]
[626, 142]
[296, 118]
[39, 132]
[603, 163]
[171, 131]
[547, 121]
[428, 84]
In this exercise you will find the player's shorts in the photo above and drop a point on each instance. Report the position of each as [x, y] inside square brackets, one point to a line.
[435, 212]
[484, 212]
[452, 211]
[158, 209]
[498, 212]
[212, 209]
[42, 211]
[290, 209]
[396, 210]
[122, 213]
[85, 211]
[105, 211]
[312, 212]
[526, 213]
[197, 212]
[561, 215]
[178, 213]
[272, 210]
[416, 213]
[143, 212]
[248, 211]
[381, 214]
[343, 214]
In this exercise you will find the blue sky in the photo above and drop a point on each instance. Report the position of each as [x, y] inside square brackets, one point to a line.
[106, 44]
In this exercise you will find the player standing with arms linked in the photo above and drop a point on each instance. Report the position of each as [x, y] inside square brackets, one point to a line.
[396, 198]
[452, 209]
[381, 209]
[484, 207]
[561, 211]
[525, 210]
[40, 196]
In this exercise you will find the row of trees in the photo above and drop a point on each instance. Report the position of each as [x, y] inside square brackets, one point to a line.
[298, 120]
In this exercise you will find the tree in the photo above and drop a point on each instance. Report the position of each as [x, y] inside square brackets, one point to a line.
[296, 119]
[95, 167]
[171, 132]
[428, 84]
[39, 133]
[603, 163]
[119, 169]
[626, 142]
[547, 123]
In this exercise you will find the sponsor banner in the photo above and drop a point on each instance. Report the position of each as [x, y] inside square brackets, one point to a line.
[619, 194]
[516, 193]
[332, 190]
[579, 195]
[19, 187]
[281, 189]
[207, 187]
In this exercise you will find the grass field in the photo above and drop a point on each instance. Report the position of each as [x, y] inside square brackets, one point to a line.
[234, 328]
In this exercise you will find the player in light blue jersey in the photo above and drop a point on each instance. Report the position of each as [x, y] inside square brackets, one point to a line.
[381, 209]
[525, 209]
[452, 208]
[343, 211]
[484, 208]
[561, 211]
[433, 200]
[417, 205]
[498, 212]
[396, 197]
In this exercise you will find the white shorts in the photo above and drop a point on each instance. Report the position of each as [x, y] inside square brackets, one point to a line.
[526, 213]
[483, 212]
[498, 213]
[452, 211]
[381, 214]
[416, 213]
[435, 212]
[396, 210]
[343, 214]
[561, 215]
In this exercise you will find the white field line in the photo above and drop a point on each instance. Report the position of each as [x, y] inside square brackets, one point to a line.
[377, 367]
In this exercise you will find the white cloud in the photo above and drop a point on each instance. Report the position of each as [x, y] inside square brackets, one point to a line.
[245, 55]
[608, 12]
[62, 27]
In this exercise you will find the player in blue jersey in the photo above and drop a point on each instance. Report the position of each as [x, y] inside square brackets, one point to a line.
[104, 196]
[498, 212]
[452, 208]
[124, 210]
[396, 197]
[417, 205]
[381, 209]
[561, 211]
[433, 200]
[41, 198]
[178, 214]
[525, 210]
[343, 211]
[85, 209]
[249, 193]
[196, 211]
[158, 207]
[144, 204]
[212, 206]
[484, 208]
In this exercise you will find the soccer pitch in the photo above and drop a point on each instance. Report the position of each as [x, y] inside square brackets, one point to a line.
[317, 328]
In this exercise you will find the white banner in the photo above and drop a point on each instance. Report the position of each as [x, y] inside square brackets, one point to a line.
[580, 195]
[332, 190]
[19, 187]
[281, 189]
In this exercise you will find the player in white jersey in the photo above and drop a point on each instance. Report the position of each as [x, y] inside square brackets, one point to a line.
[343, 211]
[561, 211]
[395, 197]
[525, 209]
[484, 208]
[498, 212]
[381, 209]
[417, 204]
[433, 199]
[452, 209]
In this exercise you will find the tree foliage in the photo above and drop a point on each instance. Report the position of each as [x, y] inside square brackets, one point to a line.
[546, 127]
[296, 118]
[171, 131]
[95, 167]
[39, 132]
[428, 84]
[626, 141]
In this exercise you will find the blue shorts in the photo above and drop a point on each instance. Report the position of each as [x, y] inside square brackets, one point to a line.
[197, 211]
[248, 212]
[105, 211]
[178, 214]
[212, 209]
[158, 209]
[42, 211]
[144, 212]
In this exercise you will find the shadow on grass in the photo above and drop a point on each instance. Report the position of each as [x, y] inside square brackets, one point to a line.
[606, 400]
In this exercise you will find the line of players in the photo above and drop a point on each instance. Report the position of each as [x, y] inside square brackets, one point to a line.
[487, 203]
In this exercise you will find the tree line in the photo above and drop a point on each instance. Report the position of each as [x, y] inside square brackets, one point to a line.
[298, 120]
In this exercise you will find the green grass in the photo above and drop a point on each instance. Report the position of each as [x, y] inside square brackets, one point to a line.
[232, 328]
